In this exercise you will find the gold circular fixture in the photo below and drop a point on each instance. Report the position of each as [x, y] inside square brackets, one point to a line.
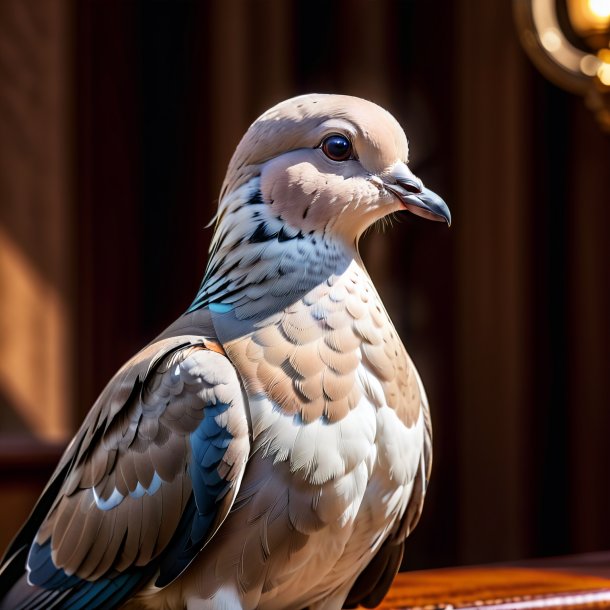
[568, 41]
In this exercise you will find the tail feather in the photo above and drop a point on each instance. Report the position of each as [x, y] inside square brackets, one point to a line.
[23, 596]
[53, 589]
[106, 594]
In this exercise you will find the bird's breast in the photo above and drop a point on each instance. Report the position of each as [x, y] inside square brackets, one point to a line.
[325, 364]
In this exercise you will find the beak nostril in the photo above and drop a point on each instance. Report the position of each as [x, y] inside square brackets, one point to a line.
[411, 186]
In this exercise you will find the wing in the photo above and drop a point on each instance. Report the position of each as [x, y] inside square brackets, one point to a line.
[374, 581]
[144, 485]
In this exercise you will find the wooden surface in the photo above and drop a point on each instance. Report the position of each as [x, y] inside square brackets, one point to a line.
[579, 582]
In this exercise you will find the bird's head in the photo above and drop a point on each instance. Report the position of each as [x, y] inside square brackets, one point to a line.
[330, 163]
[310, 175]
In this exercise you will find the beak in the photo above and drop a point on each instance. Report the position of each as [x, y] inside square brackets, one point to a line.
[415, 196]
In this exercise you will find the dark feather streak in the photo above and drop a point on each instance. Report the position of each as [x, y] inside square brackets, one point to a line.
[261, 234]
[256, 199]
[283, 236]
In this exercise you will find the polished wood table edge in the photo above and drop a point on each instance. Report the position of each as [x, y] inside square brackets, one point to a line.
[575, 600]
[564, 583]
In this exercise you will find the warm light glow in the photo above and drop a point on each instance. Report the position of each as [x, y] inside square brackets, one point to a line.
[603, 70]
[589, 17]
[603, 73]
[600, 8]
[553, 40]
[589, 65]
[34, 328]
[550, 40]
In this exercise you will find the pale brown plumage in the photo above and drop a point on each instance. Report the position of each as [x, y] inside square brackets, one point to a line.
[271, 448]
[307, 358]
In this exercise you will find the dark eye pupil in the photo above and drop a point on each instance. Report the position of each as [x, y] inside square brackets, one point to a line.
[337, 148]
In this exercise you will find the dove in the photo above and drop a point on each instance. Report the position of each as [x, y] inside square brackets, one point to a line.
[272, 447]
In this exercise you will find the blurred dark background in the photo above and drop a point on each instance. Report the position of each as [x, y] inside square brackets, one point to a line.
[117, 120]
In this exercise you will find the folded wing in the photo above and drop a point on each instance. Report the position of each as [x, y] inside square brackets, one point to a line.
[144, 485]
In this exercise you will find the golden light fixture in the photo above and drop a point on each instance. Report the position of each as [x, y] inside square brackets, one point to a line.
[590, 20]
[568, 41]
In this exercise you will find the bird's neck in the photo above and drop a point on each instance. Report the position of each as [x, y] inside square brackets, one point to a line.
[259, 264]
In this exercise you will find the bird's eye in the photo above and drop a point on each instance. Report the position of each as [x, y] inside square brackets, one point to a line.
[337, 147]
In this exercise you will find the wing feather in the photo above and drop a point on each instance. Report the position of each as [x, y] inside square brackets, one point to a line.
[151, 475]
